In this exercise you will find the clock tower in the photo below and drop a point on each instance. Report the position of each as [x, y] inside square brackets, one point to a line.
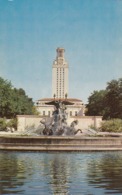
[60, 75]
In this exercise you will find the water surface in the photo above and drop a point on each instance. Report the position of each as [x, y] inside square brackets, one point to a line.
[33, 173]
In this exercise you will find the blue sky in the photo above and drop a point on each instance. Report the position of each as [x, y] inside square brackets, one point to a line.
[89, 30]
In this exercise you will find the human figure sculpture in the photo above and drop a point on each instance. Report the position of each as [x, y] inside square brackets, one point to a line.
[58, 125]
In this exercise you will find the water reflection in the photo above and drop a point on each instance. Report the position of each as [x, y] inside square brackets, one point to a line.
[11, 173]
[106, 172]
[60, 173]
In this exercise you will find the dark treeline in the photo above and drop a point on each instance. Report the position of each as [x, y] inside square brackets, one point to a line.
[108, 102]
[14, 101]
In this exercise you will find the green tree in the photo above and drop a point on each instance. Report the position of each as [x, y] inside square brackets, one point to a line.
[5, 97]
[108, 102]
[14, 101]
[20, 103]
[113, 99]
[95, 106]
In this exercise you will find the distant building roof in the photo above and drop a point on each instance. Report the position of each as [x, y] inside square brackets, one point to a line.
[62, 99]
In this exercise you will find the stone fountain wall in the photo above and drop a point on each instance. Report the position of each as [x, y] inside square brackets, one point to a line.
[58, 143]
[32, 121]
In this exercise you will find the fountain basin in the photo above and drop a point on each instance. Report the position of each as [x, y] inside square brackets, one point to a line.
[59, 143]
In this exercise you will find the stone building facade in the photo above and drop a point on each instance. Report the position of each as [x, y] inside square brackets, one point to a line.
[77, 109]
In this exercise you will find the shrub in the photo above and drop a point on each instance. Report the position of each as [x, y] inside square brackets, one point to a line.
[113, 125]
[3, 124]
[12, 123]
[94, 128]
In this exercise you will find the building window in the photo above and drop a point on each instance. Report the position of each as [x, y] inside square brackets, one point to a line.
[70, 113]
[43, 113]
[48, 113]
[76, 113]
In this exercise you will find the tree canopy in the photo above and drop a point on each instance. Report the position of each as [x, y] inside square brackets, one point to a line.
[108, 102]
[14, 101]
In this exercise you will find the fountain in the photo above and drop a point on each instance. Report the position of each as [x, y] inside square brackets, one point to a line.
[57, 125]
[55, 134]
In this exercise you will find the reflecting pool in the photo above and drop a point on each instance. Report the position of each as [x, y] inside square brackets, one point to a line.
[84, 173]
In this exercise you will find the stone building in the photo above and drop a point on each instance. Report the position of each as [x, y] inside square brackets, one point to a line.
[60, 89]
[77, 109]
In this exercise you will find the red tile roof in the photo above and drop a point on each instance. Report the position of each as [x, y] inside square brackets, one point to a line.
[68, 99]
